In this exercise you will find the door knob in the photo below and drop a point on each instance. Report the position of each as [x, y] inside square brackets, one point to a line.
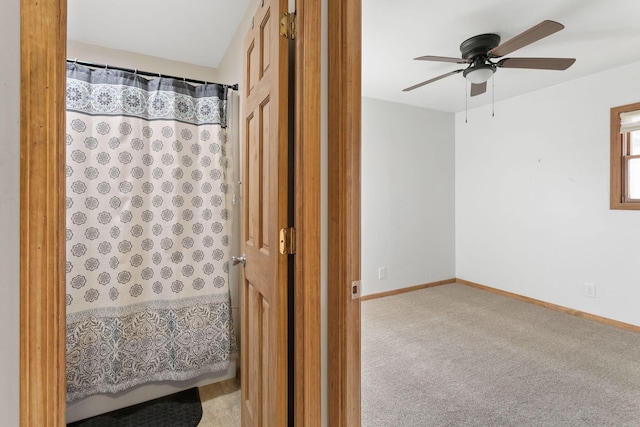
[239, 260]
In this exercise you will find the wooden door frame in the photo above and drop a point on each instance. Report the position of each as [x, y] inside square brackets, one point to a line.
[344, 121]
[307, 190]
[42, 216]
[43, 25]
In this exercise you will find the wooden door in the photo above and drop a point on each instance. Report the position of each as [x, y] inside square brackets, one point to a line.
[265, 166]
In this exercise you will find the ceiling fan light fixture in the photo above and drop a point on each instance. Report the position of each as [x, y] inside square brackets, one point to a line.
[479, 75]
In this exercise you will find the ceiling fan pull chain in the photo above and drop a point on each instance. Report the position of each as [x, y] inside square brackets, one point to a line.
[493, 96]
[466, 101]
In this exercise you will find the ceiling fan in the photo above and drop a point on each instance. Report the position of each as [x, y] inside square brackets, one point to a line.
[479, 52]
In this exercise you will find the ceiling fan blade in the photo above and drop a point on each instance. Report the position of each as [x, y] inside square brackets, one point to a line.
[432, 80]
[537, 63]
[533, 34]
[441, 59]
[478, 88]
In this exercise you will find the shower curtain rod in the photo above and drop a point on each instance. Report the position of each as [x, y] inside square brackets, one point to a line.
[145, 73]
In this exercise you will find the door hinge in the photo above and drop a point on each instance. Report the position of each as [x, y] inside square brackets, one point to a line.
[288, 25]
[288, 241]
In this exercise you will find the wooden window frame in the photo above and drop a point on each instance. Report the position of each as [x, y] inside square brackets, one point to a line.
[619, 158]
[626, 158]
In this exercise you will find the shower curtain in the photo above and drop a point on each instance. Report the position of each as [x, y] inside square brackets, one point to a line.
[147, 296]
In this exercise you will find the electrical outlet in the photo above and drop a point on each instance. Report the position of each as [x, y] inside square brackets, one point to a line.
[589, 290]
[382, 273]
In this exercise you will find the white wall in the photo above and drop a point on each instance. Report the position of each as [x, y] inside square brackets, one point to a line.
[532, 198]
[132, 60]
[408, 204]
[230, 69]
[9, 210]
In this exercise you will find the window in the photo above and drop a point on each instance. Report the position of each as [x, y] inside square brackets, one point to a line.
[625, 157]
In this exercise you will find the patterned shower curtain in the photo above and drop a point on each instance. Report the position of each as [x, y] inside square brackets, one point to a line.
[147, 231]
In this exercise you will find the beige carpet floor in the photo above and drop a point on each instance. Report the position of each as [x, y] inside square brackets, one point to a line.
[458, 356]
[220, 404]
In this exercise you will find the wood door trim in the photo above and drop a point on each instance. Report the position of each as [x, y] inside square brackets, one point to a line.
[42, 216]
[344, 119]
[566, 310]
[307, 404]
[408, 289]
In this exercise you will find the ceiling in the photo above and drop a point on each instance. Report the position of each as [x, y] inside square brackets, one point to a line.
[192, 31]
[600, 34]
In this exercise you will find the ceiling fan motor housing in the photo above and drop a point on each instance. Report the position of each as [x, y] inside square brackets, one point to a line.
[479, 45]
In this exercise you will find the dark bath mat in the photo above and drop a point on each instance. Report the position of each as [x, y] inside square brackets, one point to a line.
[177, 410]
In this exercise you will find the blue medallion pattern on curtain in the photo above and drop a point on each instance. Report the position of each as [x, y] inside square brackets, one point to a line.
[147, 231]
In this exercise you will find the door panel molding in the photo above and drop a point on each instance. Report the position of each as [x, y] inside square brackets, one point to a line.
[344, 211]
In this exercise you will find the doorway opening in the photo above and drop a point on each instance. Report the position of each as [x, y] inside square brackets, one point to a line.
[42, 310]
